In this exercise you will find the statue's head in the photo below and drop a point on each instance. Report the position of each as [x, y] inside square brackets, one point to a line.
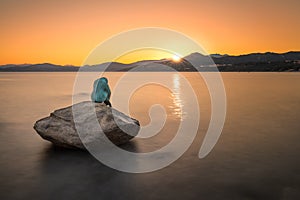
[104, 79]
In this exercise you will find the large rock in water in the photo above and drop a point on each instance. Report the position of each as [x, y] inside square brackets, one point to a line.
[60, 129]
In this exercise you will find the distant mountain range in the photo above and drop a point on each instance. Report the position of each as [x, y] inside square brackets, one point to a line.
[289, 61]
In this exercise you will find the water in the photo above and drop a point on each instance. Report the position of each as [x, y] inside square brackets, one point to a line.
[256, 157]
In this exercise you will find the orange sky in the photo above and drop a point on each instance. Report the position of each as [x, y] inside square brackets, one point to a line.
[64, 32]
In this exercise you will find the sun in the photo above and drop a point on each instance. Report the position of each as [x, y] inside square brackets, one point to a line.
[176, 58]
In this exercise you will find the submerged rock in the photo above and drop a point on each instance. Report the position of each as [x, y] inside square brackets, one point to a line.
[59, 128]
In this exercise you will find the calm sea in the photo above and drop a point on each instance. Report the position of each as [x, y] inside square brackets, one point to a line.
[256, 157]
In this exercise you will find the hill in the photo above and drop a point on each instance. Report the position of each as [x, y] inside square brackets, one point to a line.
[255, 62]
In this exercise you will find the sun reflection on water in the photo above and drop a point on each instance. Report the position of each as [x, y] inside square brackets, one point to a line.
[177, 105]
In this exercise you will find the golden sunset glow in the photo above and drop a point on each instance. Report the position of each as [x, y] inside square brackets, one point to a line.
[176, 58]
[143, 54]
[65, 32]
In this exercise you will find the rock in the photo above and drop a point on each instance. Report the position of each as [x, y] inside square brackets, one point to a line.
[60, 129]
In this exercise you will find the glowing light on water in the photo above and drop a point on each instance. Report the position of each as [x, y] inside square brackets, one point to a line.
[176, 95]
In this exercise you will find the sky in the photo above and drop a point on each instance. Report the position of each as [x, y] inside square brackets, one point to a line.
[66, 31]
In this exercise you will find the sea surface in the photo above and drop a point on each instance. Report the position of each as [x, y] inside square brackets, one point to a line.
[256, 157]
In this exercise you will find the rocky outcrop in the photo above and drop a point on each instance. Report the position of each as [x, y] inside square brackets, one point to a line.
[89, 119]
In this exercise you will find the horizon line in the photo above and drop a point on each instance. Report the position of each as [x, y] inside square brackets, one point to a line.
[72, 65]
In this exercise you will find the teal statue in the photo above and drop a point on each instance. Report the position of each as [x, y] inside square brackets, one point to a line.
[101, 92]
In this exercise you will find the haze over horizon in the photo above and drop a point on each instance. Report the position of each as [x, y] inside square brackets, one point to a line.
[129, 58]
[64, 32]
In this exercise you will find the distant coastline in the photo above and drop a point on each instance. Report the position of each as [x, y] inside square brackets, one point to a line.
[254, 62]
